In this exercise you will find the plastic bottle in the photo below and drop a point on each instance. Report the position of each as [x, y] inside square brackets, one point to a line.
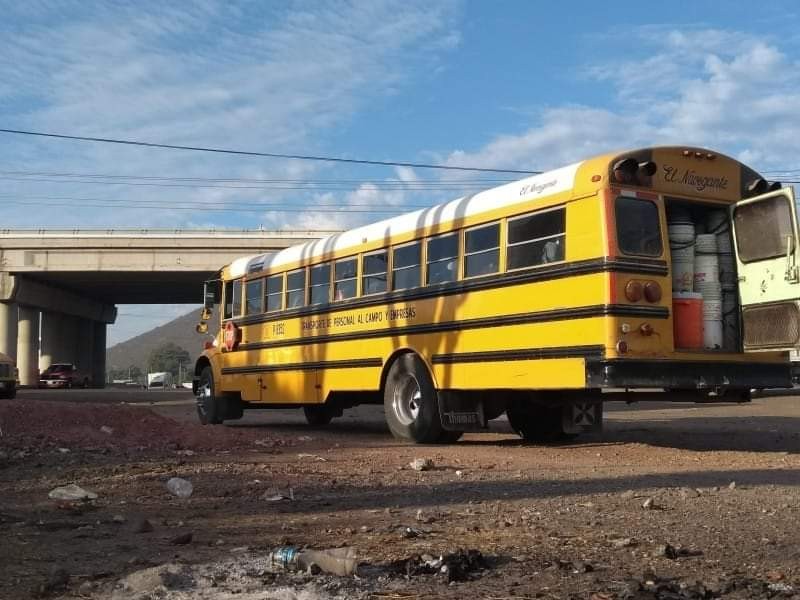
[336, 561]
[179, 487]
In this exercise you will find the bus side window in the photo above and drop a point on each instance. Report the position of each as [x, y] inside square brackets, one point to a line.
[237, 298]
[228, 312]
[296, 289]
[443, 258]
[374, 269]
[274, 292]
[406, 266]
[536, 239]
[320, 284]
[253, 296]
[482, 250]
[345, 277]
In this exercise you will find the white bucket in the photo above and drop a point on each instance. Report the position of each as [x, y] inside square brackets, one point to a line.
[706, 268]
[682, 276]
[712, 310]
[683, 254]
[710, 290]
[712, 333]
[706, 243]
[681, 233]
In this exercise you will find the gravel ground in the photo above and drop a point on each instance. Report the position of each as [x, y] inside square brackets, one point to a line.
[670, 501]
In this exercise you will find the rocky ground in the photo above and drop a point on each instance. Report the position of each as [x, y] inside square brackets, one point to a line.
[670, 501]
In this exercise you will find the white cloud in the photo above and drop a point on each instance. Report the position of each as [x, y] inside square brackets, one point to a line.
[255, 78]
[730, 91]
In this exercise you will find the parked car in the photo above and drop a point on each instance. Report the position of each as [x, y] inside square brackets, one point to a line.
[63, 375]
[8, 377]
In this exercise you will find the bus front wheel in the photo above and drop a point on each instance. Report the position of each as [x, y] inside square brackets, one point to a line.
[208, 408]
[410, 402]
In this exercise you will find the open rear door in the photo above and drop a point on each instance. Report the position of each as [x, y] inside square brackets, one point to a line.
[766, 242]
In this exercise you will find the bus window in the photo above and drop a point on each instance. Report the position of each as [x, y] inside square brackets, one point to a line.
[638, 229]
[482, 250]
[344, 274]
[228, 312]
[274, 292]
[763, 228]
[443, 258]
[406, 266]
[536, 239]
[296, 289]
[253, 299]
[375, 268]
[236, 298]
[320, 284]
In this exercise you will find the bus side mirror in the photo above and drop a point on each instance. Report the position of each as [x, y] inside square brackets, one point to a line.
[201, 327]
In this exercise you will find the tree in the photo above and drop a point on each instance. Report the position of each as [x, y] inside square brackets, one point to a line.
[168, 357]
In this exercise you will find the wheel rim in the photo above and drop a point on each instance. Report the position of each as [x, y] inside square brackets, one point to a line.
[203, 396]
[407, 400]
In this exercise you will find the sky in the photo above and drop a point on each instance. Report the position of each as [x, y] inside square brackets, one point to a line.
[508, 85]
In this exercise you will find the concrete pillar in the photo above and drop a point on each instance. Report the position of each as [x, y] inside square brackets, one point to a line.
[8, 329]
[28, 345]
[52, 330]
[99, 355]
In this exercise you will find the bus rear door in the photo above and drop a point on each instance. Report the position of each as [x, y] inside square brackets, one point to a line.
[767, 249]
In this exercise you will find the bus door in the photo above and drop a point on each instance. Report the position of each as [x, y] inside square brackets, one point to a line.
[767, 249]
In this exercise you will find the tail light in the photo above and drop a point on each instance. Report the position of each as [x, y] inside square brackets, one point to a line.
[652, 291]
[634, 290]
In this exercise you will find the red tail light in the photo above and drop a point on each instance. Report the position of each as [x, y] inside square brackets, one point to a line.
[652, 291]
[634, 290]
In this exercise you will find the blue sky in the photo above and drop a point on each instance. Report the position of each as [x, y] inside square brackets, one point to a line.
[523, 85]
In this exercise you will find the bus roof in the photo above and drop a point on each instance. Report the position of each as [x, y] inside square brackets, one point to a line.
[524, 190]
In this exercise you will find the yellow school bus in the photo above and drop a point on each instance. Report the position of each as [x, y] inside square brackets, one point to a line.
[540, 299]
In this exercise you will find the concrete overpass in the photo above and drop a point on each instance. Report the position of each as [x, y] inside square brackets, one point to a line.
[59, 288]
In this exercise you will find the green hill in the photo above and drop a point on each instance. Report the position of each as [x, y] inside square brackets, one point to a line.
[180, 331]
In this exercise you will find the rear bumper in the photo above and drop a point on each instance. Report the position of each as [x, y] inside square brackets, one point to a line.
[686, 375]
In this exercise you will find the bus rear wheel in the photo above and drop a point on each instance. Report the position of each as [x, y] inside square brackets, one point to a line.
[208, 406]
[536, 422]
[410, 402]
[318, 416]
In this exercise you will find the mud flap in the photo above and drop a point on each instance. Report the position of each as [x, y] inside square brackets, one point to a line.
[461, 412]
[582, 416]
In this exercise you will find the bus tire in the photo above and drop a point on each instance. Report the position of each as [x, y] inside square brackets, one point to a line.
[318, 415]
[535, 422]
[208, 407]
[410, 401]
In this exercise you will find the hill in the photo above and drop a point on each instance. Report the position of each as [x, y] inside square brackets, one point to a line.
[180, 331]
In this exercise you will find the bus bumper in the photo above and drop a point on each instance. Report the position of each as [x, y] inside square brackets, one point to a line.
[686, 375]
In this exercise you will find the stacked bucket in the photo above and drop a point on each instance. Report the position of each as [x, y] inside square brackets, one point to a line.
[719, 225]
[703, 282]
[687, 305]
[706, 283]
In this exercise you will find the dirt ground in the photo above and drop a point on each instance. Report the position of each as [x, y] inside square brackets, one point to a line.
[670, 501]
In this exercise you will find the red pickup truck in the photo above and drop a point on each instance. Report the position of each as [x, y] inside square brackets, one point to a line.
[63, 375]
